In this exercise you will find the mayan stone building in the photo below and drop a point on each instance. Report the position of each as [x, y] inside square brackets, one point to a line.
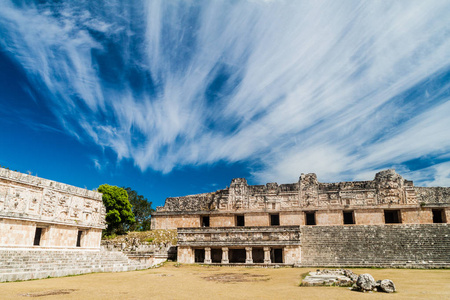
[383, 222]
[48, 228]
[40, 212]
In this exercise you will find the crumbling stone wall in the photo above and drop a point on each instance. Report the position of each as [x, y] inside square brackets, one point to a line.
[158, 241]
[412, 245]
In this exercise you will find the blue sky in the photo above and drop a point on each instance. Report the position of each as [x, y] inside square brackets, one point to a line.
[178, 97]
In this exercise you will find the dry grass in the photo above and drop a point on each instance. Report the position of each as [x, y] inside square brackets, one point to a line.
[203, 282]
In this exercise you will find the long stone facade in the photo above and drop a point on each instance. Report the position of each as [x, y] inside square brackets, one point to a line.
[36, 212]
[51, 229]
[267, 223]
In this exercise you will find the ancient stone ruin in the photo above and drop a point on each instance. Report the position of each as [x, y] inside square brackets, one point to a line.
[346, 278]
[382, 222]
[52, 229]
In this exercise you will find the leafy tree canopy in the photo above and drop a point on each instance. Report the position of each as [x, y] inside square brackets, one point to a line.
[119, 215]
[142, 209]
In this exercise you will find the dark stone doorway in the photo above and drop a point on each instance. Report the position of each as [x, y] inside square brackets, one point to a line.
[199, 255]
[276, 255]
[37, 237]
[216, 255]
[258, 255]
[237, 255]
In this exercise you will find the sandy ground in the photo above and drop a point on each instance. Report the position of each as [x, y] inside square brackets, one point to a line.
[203, 282]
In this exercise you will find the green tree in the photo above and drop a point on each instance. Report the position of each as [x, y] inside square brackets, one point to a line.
[142, 209]
[119, 215]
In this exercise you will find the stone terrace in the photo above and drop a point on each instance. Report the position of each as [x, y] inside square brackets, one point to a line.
[16, 264]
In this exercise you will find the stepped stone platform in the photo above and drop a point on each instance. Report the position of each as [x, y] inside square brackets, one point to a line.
[26, 264]
[399, 246]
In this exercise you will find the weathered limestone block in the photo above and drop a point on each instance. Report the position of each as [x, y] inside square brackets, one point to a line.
[329, 277]
[365, 282]
[386, 286]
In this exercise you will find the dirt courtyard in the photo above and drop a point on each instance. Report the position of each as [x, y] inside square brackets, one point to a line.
[174, 281]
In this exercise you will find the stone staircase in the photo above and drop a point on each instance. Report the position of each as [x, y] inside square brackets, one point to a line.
[399, 245]
[26, 264]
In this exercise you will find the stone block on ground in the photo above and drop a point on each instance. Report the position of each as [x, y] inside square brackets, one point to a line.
[366, 282]
[386, 286]
[337, 277]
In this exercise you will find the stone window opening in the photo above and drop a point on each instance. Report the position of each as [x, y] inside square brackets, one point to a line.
[349, 217]
[392, 217]
[37, 236]
[275, 219]
[205, 221]
[79, 235]
[438, 216]
[240, 220]
[310, 218]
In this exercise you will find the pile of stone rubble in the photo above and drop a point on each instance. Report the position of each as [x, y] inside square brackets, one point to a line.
[344, 277]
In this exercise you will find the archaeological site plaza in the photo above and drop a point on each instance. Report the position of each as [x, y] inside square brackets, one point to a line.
[386, 222]
[50, 229]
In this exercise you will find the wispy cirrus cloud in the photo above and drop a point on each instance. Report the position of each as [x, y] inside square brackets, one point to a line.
[340, 88]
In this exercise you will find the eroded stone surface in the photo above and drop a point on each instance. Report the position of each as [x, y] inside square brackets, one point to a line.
[365, 282]
[388, 187]
[387, 286]
[29, 197]
[334, 277]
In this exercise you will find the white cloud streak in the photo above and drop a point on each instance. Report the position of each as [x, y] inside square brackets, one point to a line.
[310, 86]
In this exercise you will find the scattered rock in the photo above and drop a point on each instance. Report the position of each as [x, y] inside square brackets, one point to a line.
[351, 275]
[329, 277]
[344, 277]
[386, 286]
[365, 282]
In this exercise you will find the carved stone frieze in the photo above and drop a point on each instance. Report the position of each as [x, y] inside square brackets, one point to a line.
[386, 189]
[31, 197]
[218, 236]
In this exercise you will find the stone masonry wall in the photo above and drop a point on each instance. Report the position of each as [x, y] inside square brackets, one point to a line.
[24, 196]
[60, 210]
[402, 245]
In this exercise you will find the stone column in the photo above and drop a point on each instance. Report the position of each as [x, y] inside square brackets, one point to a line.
[248, 254]
[207, 255]
[225, 255]
[267, 255]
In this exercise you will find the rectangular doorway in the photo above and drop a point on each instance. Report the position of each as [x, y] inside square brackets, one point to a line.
[80, 233]
[216, 255]
[438, 216]
[276, 255]
[237, 255]
[392, 217]
[258, 255]
[275, 219]
[37, 236]
[349, 217]
[199, 255]
[240, 220]
[310, 218]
